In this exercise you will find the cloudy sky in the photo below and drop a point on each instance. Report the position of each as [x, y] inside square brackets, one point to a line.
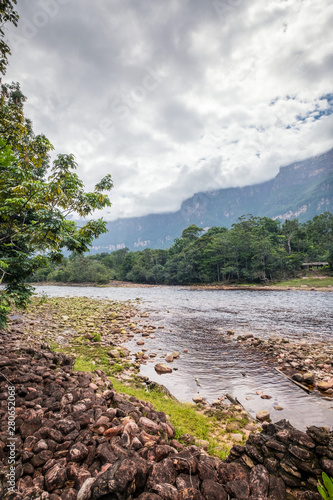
[173, 97]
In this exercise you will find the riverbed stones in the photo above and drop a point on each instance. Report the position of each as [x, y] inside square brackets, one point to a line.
[161, 368]
[310, 364]
[171, 356]
[325, 385]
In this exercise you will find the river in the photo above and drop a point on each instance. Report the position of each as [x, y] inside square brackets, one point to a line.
[195, 320]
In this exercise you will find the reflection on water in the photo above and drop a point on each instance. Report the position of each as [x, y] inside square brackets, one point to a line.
[195, 320]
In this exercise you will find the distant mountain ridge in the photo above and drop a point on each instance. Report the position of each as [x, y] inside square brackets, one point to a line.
[303, 189]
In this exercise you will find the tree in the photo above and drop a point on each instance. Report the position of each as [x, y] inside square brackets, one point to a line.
[35, 202]
[7, 14]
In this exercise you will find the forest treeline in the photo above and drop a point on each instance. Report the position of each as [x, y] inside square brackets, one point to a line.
[255, 249]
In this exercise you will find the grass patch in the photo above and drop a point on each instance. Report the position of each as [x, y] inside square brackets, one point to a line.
[316, 282]
[183, 416]
[117, 368]
[84, 364]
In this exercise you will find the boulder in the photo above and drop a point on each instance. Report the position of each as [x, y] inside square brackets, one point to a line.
[259, 481]
[213, 491]
[162, 368]
[263, 415]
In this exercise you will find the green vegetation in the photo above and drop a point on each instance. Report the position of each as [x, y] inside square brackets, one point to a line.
[254, 250]
[326, 487]
[36, 198]
[309, 281]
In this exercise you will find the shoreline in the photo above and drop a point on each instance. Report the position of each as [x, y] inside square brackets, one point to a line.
[126, 284]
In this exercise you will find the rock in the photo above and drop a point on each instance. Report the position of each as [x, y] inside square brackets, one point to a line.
[277, 488]
[237, 437]
[238, 488]
[184, 481]
[166, 491]
[122, 479]
[259, 481]
[247, 461]
[298, 377]
[78, 452]
[161, 368]
[308, 378]
[69, 494]
[85, 490]
[66, 426]
[162, 472]
[189, 494]
[77, 474]
[319, 434]
[309, 495]
[328, 384]
[198, 399]
[213, 491]
[327, 466]
[148, 425]
[229, 472]
[55, 477]
[300, 453]
[263, 415]
[113, 431]
[114, 353]
[298, 437]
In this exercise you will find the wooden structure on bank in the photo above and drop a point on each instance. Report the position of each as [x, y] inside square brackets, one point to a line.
[314, 265]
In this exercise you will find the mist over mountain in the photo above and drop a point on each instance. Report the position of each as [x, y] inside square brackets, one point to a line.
[300, 190]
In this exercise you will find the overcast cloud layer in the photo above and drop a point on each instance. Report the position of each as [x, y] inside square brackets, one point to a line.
[173, 97]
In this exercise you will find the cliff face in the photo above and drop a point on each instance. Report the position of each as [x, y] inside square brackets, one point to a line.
[303, 189]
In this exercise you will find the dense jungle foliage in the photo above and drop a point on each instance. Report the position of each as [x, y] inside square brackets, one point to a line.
[255, 249]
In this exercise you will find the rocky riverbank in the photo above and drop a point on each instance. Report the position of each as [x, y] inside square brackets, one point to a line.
[76, 438]
[95, 334]
[309, 364]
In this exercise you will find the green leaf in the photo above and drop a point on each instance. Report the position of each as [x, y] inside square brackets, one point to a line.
[328, 482]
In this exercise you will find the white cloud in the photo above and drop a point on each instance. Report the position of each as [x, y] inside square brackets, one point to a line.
[177, 97]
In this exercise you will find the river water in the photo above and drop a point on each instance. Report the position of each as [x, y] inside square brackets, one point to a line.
[196, 321]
